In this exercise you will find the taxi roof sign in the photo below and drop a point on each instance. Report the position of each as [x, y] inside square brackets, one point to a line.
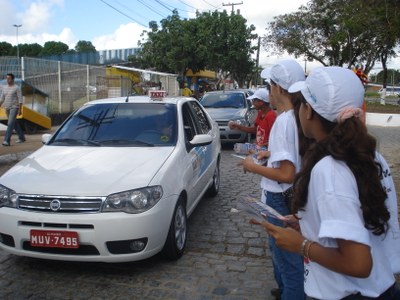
[157, 94]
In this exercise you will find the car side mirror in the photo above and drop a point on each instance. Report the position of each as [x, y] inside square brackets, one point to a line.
[46, 137]
[200, 140]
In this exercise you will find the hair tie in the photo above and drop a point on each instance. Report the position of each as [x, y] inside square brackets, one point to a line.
[349, 112]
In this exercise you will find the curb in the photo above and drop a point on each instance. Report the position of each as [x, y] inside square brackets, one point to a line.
[385, 120]
[13, 157]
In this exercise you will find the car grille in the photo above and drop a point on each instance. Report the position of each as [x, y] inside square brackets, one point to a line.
[222, 123]
[60, 204]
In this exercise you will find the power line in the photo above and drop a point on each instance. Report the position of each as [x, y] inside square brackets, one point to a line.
[151, 8]
[211, 4]
[188, 4]
[162, 4]
[170, 7]
[135, 12]
[122, 13]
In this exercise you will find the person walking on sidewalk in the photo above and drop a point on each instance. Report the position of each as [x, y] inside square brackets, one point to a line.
[12, 99]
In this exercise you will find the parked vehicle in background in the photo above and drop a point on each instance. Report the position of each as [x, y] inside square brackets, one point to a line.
[230, 105]
[391, 91]
[116, 182]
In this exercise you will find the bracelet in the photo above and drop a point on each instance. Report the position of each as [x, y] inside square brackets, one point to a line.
[302, 252]
[306, 254]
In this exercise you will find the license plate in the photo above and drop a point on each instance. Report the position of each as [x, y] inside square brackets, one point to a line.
[54, 239]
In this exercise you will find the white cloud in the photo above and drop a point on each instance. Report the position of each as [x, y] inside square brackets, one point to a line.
[7, 18]
[126, 36]
[36, 17]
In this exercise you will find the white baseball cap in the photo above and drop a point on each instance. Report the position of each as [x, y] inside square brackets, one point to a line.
[266, 73]
[284, 73]
[261, 94]
[330, 89]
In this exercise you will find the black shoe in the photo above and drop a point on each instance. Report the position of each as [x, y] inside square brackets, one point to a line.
[275, 292]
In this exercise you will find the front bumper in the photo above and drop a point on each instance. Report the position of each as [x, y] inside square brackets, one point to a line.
[103, 237]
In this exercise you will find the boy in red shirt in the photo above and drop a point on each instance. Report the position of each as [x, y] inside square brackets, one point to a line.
[264, 121]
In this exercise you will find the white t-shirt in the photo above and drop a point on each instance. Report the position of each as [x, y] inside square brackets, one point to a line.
[283, 145]
[391, 241]
[333, 212]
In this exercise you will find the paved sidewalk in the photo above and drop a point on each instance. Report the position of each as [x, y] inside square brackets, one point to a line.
[16, 152]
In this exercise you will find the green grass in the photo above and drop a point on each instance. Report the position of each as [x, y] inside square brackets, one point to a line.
[376, 107]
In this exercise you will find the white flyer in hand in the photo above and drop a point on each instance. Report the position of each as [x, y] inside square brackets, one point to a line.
[262, 162]
[255, 206]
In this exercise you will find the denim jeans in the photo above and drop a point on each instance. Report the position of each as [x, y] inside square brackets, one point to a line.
[288, 266]
[12, 124]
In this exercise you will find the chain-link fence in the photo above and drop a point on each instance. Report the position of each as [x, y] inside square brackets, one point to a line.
[69, 85]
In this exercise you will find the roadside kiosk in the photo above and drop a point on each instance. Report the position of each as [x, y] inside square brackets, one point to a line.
[35, 108]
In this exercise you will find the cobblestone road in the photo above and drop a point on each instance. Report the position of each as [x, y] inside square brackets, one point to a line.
[226, 258]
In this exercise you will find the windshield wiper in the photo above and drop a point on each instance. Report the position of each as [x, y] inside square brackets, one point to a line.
[75, 142]
[123, 142]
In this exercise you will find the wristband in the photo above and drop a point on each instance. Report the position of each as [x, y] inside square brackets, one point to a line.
[303, 244]
[307, 250]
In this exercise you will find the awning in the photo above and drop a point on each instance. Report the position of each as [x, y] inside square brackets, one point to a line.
[203, 73]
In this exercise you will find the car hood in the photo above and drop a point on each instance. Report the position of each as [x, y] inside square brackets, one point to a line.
[85, 171]
[226, 113]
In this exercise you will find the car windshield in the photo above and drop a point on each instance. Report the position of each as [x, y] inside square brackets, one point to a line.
[223, 100]
[120, 124]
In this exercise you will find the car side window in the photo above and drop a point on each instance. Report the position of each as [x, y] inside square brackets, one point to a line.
[188, 123]
[200, 118]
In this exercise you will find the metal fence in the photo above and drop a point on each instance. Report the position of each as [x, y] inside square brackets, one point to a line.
[69, 85]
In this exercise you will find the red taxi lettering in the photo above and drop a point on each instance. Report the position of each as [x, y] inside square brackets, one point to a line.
[157, 95]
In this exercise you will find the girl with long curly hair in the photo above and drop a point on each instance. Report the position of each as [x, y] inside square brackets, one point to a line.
[347, 221]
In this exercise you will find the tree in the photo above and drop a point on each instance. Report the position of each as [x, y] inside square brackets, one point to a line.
[213, 40]
[5, 49]
[227, 40]
[84, 46]
[173, 47]
[54, 48]
[30, 50]
[393, 77]
[337, 32]
[387, 26]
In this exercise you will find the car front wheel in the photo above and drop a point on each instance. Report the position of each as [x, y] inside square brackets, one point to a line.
[214, 188]
[177, 234]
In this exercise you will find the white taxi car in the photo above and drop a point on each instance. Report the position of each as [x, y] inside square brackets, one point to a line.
[116, 182]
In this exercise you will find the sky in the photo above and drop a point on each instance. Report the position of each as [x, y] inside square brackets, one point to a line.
[118, 24]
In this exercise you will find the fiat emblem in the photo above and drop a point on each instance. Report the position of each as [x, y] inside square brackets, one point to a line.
[55, 205]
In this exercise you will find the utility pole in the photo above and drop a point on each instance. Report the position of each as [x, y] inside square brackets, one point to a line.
[258, 59]
[232, 4]
[17, 26]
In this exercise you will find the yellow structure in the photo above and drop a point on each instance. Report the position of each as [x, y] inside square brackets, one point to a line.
[34, 110]
[201, 74]
[29, 115]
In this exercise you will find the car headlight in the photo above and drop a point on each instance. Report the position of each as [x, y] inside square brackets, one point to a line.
[134, 201]
[8, 197]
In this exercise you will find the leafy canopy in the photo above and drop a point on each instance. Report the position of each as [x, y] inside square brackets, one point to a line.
[213, 40]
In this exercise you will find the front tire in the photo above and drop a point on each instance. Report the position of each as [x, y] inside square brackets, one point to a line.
[214, 188]
[177, 235]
